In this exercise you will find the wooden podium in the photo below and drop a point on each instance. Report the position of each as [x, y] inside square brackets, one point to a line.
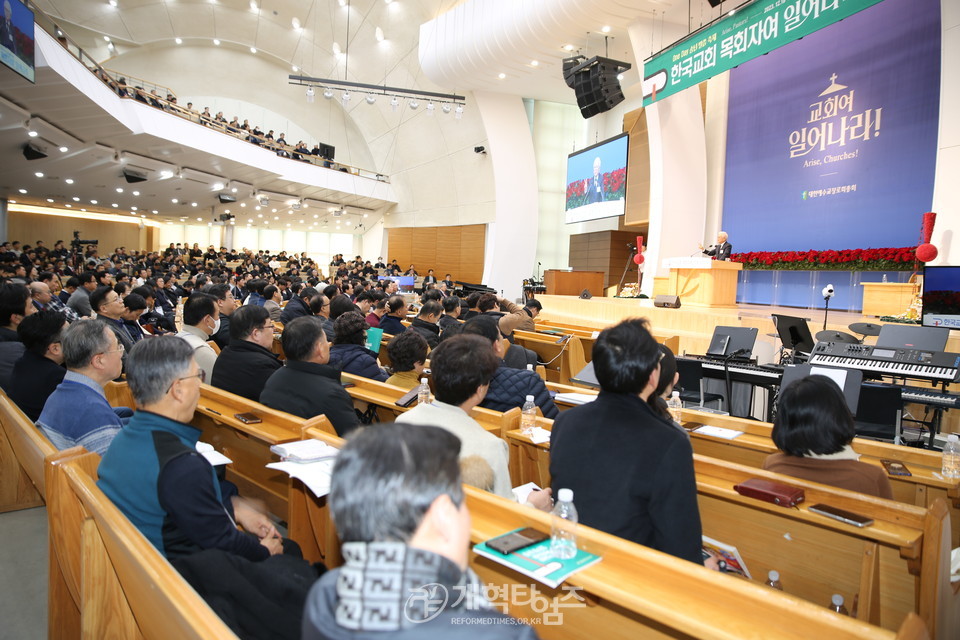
[571, 283]
[702, 282]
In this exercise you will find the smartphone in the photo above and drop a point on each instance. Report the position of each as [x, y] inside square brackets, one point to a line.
[248, 418]
[855, 519]
[895, 468]
[564, 338]
[408, 398]
[510, 542]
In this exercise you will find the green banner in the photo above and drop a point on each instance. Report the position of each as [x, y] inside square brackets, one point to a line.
[748, 33]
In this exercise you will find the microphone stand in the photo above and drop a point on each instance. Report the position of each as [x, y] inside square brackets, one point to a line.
[826, 309]
[626, 268]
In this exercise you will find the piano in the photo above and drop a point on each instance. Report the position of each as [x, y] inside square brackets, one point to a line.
[930, 398]
[917, 364]
[741, 370]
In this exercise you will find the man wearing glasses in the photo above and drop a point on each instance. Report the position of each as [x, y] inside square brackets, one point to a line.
[77, 412]
[245, 365]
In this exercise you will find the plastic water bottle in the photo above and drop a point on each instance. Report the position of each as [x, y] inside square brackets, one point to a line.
[836, 604]
[675, 406]
[563, 538]
[773, 580]
[528, 417]
[423, 393]
[951, 457]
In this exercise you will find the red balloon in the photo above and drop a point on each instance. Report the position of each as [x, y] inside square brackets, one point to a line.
[638, 258]
[926, 252]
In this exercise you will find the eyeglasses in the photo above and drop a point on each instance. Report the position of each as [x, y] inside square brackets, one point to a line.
[119, 349]
[200, 374]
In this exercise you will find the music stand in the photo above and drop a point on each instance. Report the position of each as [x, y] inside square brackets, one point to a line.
[795, 332]
[729, 340]
[913, 337]
[849, 380]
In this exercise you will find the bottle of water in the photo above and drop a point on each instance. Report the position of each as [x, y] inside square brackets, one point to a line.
[528, 417]
[773, 580]
[563, 538]
[836, 604]
[884, 278]
[423, 393]
[951, 457]
[675, 406]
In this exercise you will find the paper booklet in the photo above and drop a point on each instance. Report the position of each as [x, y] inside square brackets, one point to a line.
[213, 456]
[305, 451]
[316, 475]
[538, 562]
[730, 559]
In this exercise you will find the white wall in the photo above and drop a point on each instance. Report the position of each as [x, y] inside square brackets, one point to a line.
[946, 192]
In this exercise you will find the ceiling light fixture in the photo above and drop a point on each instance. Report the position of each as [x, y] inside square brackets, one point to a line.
[501, 75]
[430, 109]
[216, 41]
[295, 68]
[178, 40]
[296, 23]
[32, 134]
[39, 174]
[413, 104]
[253, 49]
[327, 93]
[371, 99]
[605, 29]
[69, 180]
[378, 34]
[23, 191]
[64, 149]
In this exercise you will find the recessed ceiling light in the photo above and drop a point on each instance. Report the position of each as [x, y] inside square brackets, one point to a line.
[119, 189]
[23, 191]
[501, 75]
[39, 174]
[133, 208]
[178, 40]
[199, 219]
[295, 68]
[68, 205]
[259, 215]
[173, 200]
[193, 204]
[49, 199]
[93, 202]
[234, 190]
[605, 29]
[276, 217]
[253, 5]
[217, 186]
[336, 49]
[76, 199]
[568, 47]
[243, 204]
[378, 34]
[32, 134]
[110, 46]
[154, 211]
[253, 49]
[365, 215]
[166, 174]
[82, 209]
[64, 149]
[112, 3]
[69, 180]
[216, 41]
[226, 210]
[136, 193]
[296, 23]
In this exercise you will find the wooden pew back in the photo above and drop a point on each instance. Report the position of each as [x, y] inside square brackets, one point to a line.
[564, 359]
[119, 583]
[23, 448]
[896, 566]
[922, 488]
[633, 592]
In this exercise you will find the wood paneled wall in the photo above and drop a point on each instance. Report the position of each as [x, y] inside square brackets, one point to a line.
[604, 251]
[637, 210]
[455, 250]
[30, 227]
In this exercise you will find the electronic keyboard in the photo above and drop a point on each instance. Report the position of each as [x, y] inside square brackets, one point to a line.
[921, 364]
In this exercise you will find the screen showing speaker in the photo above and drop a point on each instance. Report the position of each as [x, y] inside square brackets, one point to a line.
[597, 180]
[16, 38]
[941, 297]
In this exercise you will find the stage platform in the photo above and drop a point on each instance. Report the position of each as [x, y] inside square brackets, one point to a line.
[695, 325]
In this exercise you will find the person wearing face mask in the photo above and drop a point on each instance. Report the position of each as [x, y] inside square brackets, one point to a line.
[201, 319]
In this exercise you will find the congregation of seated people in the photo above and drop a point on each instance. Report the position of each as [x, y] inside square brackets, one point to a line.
[72, 321]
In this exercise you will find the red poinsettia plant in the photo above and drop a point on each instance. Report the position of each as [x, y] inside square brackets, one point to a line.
[884, 259]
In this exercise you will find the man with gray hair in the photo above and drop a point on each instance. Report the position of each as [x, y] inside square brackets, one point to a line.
[401, 544]
[155, 476]
[77, 412]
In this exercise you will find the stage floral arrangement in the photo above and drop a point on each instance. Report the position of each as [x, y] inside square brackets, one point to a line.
[886, 259]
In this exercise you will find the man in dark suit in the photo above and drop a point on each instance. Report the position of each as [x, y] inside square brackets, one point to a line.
[722, 249]
[595, 184]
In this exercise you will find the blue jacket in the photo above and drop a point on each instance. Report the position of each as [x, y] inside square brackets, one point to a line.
[358, 360]
[294, 309]
[509, 388]
[77, 414]
[155, 476]
[391, 324]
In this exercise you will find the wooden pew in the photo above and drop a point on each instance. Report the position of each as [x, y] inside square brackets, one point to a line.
[898, 565]
[588, 338]
[925, 486]
[106, 579]
[634, 592]
[565, 359]
[23, 448]
[384, 396]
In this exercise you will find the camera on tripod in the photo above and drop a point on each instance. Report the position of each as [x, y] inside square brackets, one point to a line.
[76, 243]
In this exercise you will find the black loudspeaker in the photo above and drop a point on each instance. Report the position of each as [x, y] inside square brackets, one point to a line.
[585, 294]
[33, 152]
[714, 3]
[225, 198]
[670, 302]
[133, 177]
[594, 82]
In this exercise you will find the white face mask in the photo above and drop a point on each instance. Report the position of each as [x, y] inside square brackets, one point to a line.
[216, 327]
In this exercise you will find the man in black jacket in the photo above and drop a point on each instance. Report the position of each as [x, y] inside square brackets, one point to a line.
[307, 385]
[509, 387]
[631, 471]
[38, 372]
[227, 304]
[245, 365]
[299, 305]
[426, 323]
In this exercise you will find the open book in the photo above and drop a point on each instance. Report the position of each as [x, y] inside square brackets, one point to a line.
[539, 563]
